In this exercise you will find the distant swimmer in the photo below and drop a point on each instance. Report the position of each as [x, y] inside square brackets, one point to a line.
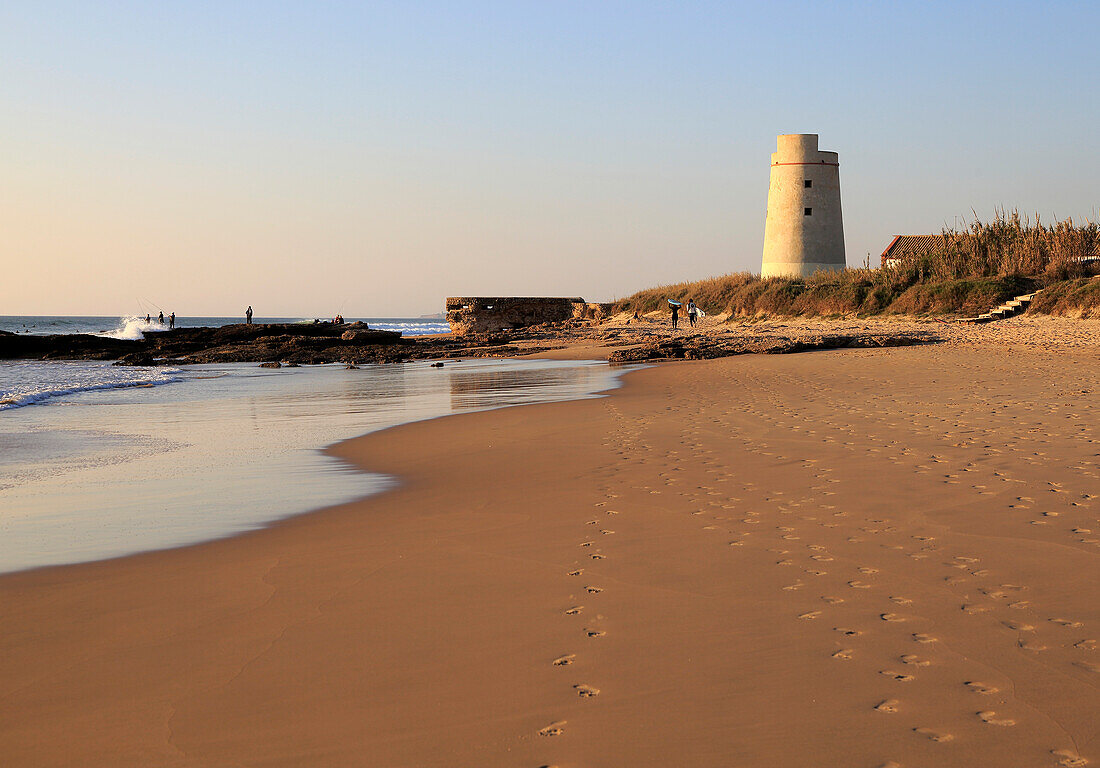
[171, 321]
[692, 312]
[160, 317]
[248, 315]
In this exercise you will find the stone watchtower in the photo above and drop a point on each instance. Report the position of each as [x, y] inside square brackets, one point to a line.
[804, 231]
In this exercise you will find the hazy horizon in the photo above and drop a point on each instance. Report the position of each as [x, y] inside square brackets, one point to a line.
[204, 157]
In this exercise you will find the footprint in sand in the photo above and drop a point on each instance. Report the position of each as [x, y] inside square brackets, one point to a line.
[889, 705]
[1088, 665]
[597, 556]
[792, 587]
[847, 632]
[934, 735]
[554, 729]
[595, 632]
[1086, 645]
[915, 661]
[975, 687]
[587, 543]
[867, 570]
[593, 590]
[809, 615]
[586, 691]
[1019, 626]
[832, 600]
[1069, 758]
[891, 617]
[577, 572]
[858, 585]
[901, 677]
[1031, 645]
[564, 661]
[574, 610]
[844, 653]
[990, 718]
[901, 601]
[1067, 623]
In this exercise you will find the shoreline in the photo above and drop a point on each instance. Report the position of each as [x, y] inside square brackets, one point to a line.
[576, 377]
[421, 626]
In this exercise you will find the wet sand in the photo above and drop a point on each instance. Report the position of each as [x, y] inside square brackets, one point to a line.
[857, 558]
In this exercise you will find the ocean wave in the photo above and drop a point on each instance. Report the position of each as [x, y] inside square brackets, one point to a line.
[412, 329]
[23, 384]
[133, 327]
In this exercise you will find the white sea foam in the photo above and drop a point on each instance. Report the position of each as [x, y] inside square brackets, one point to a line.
[26, 383]
[411, 328]
[132, 328]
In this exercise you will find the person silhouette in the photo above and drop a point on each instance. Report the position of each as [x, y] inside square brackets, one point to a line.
[248, 315]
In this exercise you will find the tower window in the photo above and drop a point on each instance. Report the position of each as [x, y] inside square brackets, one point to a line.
[809, 211]
[808, 183]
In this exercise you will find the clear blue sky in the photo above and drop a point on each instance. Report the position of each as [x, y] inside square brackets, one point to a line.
[381, 156]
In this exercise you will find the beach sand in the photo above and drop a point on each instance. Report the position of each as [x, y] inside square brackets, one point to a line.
[850, 558]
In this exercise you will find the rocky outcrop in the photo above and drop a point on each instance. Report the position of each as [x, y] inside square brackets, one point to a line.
[65, 347]
[290, 342]
[707, 347]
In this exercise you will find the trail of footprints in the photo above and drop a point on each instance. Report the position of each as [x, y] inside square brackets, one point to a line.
[790, 518]
[1003, 597]
[625, 442]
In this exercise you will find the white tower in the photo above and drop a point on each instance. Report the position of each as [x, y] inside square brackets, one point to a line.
[804, 231]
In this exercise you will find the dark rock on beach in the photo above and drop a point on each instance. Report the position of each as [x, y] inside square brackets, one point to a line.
[277, 345]
[701, 347]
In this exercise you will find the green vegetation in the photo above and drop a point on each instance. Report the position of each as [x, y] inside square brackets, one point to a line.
[974, 270]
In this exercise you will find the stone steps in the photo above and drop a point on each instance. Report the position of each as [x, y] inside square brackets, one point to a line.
[1008, 309]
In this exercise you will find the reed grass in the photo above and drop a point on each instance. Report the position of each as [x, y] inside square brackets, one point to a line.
[975, 268]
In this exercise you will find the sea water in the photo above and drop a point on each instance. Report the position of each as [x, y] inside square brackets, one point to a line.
[32, 382]
[128, 460]
[134, 326]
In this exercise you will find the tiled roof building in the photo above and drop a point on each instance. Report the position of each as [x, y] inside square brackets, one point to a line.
[911, 246]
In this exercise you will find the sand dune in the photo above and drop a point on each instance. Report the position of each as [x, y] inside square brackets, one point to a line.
[851, 558]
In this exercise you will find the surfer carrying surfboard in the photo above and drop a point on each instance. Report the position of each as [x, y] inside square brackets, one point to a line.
[675, 312]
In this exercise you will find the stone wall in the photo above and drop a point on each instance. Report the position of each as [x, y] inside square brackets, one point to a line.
[488, 314]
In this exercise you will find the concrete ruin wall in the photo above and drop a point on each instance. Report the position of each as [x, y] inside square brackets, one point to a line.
[488, 314]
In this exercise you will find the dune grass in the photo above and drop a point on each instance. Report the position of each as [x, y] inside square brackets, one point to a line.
[974, 269]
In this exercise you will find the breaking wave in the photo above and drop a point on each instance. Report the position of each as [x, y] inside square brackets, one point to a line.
[26, 383]
[133, 327]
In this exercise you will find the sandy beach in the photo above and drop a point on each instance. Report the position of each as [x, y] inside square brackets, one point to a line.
[867, 557]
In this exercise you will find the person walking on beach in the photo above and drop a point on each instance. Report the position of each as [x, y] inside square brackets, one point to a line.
[692, 312]
[675, 314]
[248, 315]
[171, 321]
